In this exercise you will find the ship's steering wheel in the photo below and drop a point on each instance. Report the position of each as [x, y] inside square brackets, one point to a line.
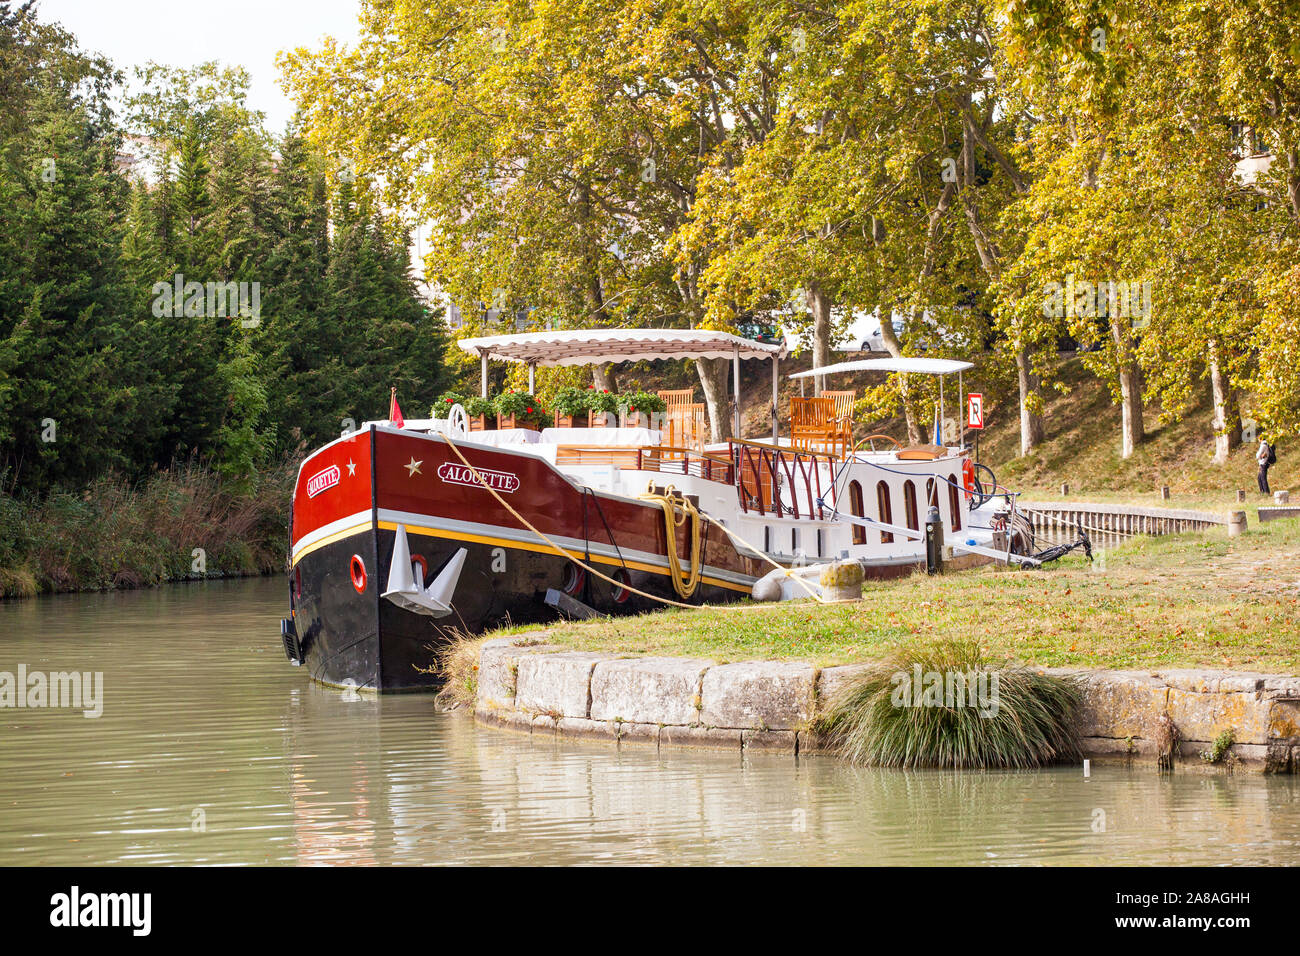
[458, 422]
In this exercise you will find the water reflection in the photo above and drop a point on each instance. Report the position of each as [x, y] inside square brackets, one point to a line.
[212, 750]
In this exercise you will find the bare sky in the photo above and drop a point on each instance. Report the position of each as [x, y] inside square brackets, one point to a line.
[187, 32]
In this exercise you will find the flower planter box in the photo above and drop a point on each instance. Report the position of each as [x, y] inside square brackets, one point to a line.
[482, 423]
[636, 420]
[513, 421]
[601, 420]
[571, 421]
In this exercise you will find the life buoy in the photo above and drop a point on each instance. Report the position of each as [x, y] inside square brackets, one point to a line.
[968, 475]
[358, 570]
[424, 566]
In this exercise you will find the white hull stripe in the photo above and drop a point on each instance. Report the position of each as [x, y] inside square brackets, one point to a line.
[353, 522]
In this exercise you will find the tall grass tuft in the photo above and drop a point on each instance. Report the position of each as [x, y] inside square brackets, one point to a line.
[1030, 726]
[457, 664]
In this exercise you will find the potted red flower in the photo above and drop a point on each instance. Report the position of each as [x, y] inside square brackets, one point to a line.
[571, 410]
[482, 414]
[520, 410]
[602, 408]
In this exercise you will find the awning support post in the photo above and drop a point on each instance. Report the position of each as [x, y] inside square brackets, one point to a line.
[961, 391]
[735, 386]
[942, 423]
[483, 360]
[776, 414]
[532, 378]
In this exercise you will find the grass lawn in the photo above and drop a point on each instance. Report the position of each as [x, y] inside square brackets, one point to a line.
[1187, 600]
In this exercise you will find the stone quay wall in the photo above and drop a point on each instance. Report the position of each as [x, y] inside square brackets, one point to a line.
[529, 686]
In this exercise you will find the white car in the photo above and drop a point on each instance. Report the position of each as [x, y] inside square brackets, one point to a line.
[863, 333]
[874, 340]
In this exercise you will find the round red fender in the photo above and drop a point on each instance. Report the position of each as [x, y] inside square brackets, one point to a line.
[968, 475]
[358, 569]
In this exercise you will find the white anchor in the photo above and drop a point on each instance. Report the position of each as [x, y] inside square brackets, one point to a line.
[406, 583]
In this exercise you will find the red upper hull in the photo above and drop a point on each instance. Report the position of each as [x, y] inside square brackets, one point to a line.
[419, 476]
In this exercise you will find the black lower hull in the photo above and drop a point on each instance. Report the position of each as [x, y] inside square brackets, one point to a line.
[351, 637]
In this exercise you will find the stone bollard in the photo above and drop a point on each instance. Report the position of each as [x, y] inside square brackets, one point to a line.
[1065, 490]
[1236, 523]
[1241, 494]
[1281, 497]
[842, 581]
[1164, 492]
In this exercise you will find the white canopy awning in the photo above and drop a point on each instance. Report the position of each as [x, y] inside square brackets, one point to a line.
[592, 346]
[919, 366]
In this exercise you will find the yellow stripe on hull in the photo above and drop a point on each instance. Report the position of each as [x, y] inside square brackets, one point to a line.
[539, 547]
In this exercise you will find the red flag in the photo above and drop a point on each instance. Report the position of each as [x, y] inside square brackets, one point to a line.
[395, 410]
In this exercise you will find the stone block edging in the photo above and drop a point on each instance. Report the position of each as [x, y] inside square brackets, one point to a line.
[535, 687]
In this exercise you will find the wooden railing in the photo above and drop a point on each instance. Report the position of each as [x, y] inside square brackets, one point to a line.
[625, 456]
[769, 479]
[670, 460]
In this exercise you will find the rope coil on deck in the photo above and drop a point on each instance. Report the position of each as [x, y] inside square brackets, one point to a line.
[674, 518]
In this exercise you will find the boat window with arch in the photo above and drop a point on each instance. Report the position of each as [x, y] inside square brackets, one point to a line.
[858, 509]
[909, 505]
[885, 510]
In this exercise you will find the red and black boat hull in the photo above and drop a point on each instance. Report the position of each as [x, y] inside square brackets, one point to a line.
[352, 496]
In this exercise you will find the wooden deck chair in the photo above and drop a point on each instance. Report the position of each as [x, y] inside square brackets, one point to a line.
[679, 417]
[684, 427]
[843, 417]
[676, 396]
[812, 423]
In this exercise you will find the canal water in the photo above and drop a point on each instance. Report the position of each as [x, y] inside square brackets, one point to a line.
[211, 749]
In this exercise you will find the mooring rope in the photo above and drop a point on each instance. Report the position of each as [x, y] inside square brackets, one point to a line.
[564, 552]
[763, 554]
[559, 549]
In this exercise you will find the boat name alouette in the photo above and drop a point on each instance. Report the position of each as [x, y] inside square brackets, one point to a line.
[323, 481]
[464, 475]
[439, 527]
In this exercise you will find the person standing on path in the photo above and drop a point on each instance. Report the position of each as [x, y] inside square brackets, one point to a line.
[1264, 455]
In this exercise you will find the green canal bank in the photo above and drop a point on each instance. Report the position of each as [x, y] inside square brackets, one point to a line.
[184, 523]
[1198, 630]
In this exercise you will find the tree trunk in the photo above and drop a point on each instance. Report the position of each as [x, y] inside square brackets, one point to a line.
[713, 379]
[1130, 389]
[602, 377]
[819, 304]
[1293, 182]
[1031, 423]
[895, 348]
[928, 255]
[1227, 416]
[1132, 429]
